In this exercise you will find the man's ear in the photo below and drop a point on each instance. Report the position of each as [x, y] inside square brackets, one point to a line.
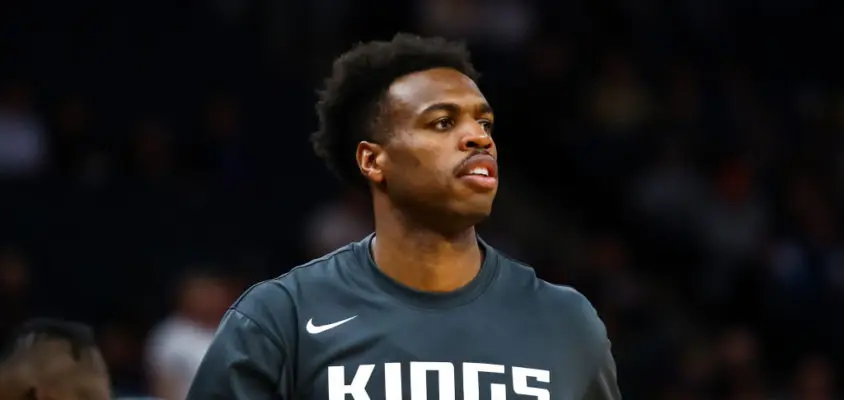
[371, 159]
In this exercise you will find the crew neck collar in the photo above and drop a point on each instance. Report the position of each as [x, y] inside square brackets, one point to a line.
[425, 299]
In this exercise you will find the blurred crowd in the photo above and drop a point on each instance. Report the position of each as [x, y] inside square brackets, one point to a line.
[681, 163]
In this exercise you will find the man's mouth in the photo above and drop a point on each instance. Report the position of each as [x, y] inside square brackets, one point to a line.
[480, 171]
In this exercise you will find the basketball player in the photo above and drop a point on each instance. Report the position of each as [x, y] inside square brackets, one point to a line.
[422, 308]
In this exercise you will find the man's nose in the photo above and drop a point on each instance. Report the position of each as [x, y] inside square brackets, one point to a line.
[478, 139]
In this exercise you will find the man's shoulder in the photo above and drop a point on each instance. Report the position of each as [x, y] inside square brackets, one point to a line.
[280, 295]
[522, 274]
[275, 305]
[560, 302]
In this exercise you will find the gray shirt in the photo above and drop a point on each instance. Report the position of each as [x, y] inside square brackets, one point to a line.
[337, 328]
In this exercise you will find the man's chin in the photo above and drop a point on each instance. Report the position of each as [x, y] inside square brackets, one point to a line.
[475, 214]
[458, 224]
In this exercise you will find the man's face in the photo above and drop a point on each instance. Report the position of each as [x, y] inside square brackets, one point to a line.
[440, 157]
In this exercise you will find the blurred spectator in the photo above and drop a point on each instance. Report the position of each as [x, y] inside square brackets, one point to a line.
[123, 355]
[14, 289]
[619, 102]
[152, 154]
[53, 359]
[504, 23]
[815, 380]
[23, 140]
[684, 103]
[177, 344]
[80, 155]
[738, 355]
[225, 146]
[338, 223]
[669, 194]
[732, 226]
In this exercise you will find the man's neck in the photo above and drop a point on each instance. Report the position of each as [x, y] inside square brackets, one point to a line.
[423, 259]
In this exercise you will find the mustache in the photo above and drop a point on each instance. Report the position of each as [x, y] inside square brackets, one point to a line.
[475, 155]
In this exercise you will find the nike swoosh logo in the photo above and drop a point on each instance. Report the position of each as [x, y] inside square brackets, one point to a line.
[314, 329]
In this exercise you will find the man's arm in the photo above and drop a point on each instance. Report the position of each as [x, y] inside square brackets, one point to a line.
[604, 384]
[242, 363]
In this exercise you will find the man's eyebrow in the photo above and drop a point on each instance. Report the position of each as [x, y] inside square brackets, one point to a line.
[485, 108]
[482, 108]
[447, 107]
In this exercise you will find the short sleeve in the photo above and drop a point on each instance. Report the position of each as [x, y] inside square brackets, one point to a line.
[243, 362]
[603, 382]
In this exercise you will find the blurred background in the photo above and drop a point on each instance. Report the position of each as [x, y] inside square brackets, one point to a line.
[679, 162]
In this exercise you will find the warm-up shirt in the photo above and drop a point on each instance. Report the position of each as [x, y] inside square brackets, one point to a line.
[338, 328]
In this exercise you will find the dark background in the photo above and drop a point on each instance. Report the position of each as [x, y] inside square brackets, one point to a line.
[679, 162]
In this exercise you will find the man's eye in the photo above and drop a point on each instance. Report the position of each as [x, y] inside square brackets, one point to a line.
[486, 124]
[443, 124]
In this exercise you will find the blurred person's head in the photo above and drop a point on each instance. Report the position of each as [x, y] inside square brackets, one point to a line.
[811, 208]
[14, 272]
[222, 114]
[738, 350]
[152, 148]
[203, 297]
[53, 360]
[618, 67]
[697, 364]
[73, 116]
[407, 119]
[739, 375]
[753, 390]
[339, 222]
[815, 380]
[734, 179]
[684, 98]
[16, 95]
[550, 58]
[619, 103]
[607, 254]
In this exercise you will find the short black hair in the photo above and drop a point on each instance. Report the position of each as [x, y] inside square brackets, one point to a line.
[78, 335]
[349, 106]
